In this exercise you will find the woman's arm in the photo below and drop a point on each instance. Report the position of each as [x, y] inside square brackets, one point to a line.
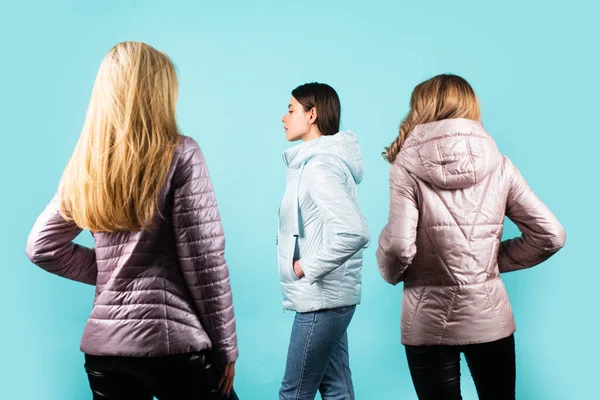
[50, 246]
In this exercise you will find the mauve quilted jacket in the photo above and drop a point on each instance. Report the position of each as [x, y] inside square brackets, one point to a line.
[450, 190]
[158, 292]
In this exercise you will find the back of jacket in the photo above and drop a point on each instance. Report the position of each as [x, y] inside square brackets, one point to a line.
[158, 292]
[450, 191]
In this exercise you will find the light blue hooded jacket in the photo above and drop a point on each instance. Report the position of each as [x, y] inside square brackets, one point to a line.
[320, 224]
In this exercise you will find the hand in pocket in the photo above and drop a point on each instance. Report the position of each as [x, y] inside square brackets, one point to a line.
[298, 269]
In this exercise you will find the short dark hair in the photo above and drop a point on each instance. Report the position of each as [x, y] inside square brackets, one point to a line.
[325, 99]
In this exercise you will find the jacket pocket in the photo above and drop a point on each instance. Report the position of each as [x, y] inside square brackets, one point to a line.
[286, 251]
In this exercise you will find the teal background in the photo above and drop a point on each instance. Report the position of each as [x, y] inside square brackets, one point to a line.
[533, 65]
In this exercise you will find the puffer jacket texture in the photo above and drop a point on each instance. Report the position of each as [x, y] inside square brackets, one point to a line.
[450, 189]
[321, 225]
[158, 292]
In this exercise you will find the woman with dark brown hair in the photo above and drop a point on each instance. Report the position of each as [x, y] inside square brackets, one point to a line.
[321, 237]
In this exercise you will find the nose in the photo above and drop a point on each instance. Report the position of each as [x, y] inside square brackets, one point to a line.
[283, 119]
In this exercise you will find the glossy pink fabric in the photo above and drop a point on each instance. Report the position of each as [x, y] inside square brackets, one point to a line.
[450, 191]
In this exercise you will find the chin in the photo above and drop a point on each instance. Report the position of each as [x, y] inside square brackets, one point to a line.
[291, 137]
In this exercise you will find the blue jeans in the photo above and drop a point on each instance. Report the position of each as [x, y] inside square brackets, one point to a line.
[318, 357]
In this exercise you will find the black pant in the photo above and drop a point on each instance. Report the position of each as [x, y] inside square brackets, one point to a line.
[178, 377]
[435, 370]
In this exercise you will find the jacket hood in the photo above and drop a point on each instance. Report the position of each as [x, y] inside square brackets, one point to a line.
[343, 145]
[450, 154]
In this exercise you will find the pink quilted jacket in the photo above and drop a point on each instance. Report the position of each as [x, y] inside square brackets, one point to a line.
[450, 191]
[159, 292]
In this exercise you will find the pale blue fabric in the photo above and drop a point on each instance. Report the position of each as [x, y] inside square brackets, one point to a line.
[320, 223]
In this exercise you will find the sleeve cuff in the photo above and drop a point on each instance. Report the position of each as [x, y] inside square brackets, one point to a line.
[227, 357]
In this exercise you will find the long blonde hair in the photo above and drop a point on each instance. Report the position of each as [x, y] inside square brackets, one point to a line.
[441, 97]
[120, 164]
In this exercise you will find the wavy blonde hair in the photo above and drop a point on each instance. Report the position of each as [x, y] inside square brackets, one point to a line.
[441, 97]
[120, 164]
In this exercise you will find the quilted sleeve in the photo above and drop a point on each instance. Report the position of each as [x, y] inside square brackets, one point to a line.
[345, 230]
[541, 233]
[397, 240]
[200, 247]
[50, 246]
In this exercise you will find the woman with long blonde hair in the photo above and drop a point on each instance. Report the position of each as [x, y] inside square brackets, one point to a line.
[450, 189]
[162, 322]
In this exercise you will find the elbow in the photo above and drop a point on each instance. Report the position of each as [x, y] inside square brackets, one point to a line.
[38, 253]
[36, 257]
[362, 236]
[364, 239]
[351, 234]
[32, 251]
[353, 241]
[554, 239]
[549, 243]
[31, 254]
[558, 238]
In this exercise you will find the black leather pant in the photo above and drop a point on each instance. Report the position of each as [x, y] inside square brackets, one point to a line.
[178, 377]
[435, 370]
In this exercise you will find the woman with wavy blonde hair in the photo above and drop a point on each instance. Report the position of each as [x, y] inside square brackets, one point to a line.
[162, 322]
[450, 189]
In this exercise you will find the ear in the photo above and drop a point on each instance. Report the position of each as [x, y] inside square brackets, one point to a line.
[312, 115]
